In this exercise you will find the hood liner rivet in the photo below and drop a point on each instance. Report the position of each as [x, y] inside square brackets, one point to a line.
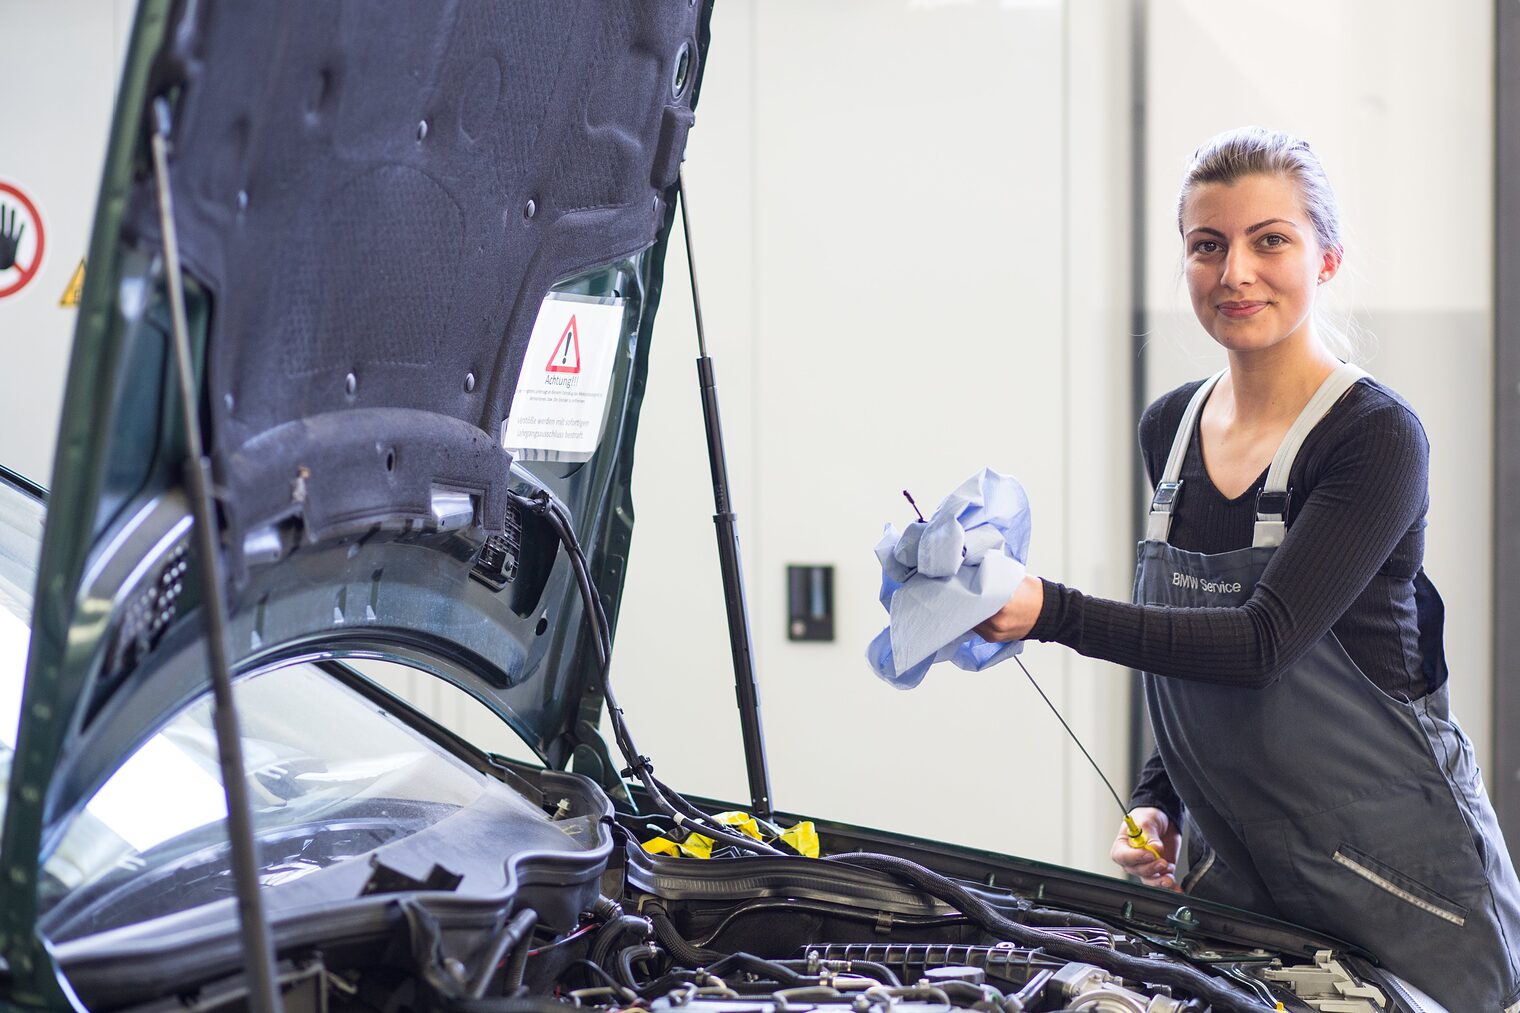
[350, 384]
[469, 382]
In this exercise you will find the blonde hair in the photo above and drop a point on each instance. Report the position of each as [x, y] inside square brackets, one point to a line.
[1251, 151]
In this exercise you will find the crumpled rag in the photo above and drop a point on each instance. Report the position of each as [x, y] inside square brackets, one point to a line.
[942, 576]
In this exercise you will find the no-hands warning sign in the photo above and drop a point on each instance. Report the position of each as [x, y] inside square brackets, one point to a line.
[561, 400]
[22, 240]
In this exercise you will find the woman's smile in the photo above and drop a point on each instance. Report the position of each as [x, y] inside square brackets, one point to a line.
[1241, 310]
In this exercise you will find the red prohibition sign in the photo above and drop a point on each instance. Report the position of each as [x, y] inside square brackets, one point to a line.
[29, 272]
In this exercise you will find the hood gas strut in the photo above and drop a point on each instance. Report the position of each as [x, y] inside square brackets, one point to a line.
[258, 949]
[725, 520]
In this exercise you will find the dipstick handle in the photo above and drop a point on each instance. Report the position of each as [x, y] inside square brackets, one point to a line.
[1136, 837]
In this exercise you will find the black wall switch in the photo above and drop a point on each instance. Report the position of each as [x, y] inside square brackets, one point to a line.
[810, 603]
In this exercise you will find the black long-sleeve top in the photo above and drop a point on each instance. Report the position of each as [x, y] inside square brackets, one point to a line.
[1350, 562]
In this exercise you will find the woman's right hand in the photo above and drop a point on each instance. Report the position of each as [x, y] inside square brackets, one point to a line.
[1017, 616]
[1159, 831]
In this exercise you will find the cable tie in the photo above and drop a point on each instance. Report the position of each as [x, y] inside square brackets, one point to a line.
[639, 768]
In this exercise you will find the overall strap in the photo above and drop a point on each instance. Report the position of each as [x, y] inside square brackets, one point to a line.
[1272, 501]
[1159, 524]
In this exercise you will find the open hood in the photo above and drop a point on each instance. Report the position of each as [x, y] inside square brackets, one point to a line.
[422, 248]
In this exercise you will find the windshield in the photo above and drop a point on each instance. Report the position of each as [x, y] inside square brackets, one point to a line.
[332, 772]
[333, 776]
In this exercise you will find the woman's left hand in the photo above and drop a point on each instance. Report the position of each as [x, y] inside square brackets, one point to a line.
[1016, 618]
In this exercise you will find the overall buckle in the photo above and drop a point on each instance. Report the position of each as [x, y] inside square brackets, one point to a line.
[1166, 496]
[1274, 505]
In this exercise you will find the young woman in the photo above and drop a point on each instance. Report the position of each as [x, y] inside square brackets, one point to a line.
[1295, 680]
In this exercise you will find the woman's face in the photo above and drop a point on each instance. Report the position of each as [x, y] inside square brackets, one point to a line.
[1253, 262]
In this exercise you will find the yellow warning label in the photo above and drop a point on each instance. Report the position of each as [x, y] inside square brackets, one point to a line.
[75, 288]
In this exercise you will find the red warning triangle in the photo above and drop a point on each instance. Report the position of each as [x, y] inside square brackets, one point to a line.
[566, 357]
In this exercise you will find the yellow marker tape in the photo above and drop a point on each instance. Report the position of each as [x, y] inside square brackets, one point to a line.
[663, 846]
[1137, 838]
[803, 837]
[695, 846]
[742, 822]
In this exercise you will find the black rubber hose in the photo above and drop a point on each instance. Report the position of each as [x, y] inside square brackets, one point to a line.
[608, 935]
[628, 955]
[881, 971]
[871, 968]
[792, 905]
[1226, 1000]
[962, 993]
[1033, 989]
[765, 969]
[523, 1004]
[692, 813]
[673, 804]
[665, 985]
[517, 966]
[784, 976]
[1066, 919]
[514, 933]
[598, 972]
[683, 950]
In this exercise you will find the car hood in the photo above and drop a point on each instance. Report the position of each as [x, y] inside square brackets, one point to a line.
[400, 224]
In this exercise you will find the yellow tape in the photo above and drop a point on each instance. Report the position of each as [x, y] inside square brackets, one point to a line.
[803, 837]
[662, 846]
[695, 846]
[742, 822]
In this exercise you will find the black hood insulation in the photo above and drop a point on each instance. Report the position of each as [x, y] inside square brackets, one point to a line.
[375, 203]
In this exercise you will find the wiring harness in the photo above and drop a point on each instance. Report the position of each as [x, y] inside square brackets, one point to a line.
[668, 801]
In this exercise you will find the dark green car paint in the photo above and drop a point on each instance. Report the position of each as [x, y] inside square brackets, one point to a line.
[66, 631]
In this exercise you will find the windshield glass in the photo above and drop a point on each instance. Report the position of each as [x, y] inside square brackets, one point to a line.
[20, 543]
[333, 776]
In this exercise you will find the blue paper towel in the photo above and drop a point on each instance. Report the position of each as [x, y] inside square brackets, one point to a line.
[941, 577]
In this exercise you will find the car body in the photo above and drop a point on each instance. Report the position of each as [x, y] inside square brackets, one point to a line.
[383, 213]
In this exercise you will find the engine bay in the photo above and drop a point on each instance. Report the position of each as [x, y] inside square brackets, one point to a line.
[853, 930]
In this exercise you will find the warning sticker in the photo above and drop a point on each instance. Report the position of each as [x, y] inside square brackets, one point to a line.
[566, 357]
[74, 289]
[22, 240]
[561, 399]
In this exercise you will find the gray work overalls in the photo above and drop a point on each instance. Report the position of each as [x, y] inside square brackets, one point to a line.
[1326, 801]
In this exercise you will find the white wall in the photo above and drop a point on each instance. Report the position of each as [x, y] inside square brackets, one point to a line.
[62, 61]
[905, 224]
[1398, 102]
